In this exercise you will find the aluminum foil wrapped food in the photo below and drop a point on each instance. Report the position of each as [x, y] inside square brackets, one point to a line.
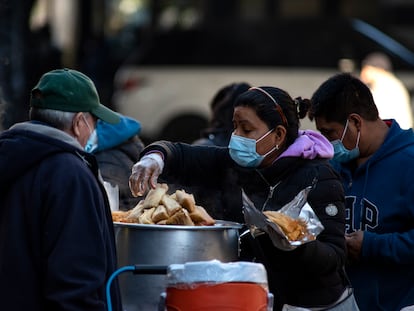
[293, 225]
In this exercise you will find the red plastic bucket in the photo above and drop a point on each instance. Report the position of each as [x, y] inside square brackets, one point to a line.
[212, 285]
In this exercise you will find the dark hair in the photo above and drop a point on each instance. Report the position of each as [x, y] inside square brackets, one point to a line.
[341, 95]
[291, 110]
[220, 125]
[222, 105]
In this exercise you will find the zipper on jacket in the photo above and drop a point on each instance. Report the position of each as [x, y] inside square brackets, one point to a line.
[271, 189]
[270, 195]
[83, 159]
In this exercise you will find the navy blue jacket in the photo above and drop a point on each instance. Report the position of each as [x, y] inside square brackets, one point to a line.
[380, 201]
[57, 247]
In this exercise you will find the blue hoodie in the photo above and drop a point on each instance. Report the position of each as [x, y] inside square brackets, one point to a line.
[380, 201]
[111, 135]
[117, 148]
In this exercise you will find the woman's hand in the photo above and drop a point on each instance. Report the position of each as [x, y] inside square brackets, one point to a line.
[145, 174]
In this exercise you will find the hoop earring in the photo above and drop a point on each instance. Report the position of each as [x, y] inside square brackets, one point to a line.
[277, 147]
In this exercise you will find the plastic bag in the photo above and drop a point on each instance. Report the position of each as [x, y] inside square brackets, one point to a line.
[113, 195]
[298, 208]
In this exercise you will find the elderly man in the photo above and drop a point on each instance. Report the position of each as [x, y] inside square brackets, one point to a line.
[375, 159]
[57, 247]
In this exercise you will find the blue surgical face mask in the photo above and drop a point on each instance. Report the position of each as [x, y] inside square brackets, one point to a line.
[92, 142]
[341, 154]
[243, 150]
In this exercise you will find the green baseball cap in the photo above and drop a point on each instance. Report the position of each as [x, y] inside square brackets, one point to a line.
[70, 90]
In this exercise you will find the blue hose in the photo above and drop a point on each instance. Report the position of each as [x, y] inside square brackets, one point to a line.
[111, 278]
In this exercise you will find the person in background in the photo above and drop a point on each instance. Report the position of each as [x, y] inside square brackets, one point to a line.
[226, 203]
[116, 148]
[57, 244]
[220, 126]
[375, 160]
[273, 161]
[390, 94]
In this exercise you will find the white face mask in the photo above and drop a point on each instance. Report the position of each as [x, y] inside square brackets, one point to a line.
[243, 150]
[92, 143]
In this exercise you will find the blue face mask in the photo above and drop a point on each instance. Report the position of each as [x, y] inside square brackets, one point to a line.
[92, 143]
[341, 154]
[243, 150]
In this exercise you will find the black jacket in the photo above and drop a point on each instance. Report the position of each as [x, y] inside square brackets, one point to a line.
[312, 274]
[57, 244]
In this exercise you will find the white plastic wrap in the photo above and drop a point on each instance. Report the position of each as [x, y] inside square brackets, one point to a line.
[113, 195]
[193, 274]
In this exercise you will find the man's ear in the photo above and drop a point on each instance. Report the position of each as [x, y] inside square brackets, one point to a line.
[356, 120]
[76, 124]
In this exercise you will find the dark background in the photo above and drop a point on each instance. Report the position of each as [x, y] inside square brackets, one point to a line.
[26, 54]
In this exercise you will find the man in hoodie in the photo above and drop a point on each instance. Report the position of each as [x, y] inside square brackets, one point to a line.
[117, 148]
[57, 247]
[375, 159]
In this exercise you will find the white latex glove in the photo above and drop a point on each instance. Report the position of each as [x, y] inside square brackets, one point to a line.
[145, 173]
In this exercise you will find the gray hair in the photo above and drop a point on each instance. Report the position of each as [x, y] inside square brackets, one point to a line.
[61, 120]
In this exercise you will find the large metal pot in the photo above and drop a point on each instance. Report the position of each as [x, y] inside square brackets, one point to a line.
[165, 245]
